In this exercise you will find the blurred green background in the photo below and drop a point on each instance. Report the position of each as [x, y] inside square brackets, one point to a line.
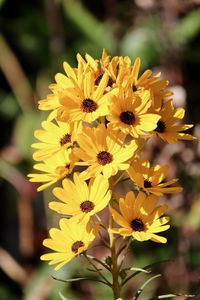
[35, 38]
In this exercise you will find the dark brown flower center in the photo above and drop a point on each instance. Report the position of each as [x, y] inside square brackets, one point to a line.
[147, 184]
[87, 206]
[160, 127]
[134, 88]
[88, 105]
[137, 225]
[65, 139]
[76, 246]
[104, 158]
[127, 117]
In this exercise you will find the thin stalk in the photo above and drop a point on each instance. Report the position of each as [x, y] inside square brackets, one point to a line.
[66, 281]
[104, 226]
[104, 241]
[115, 272]
[140, 290]
[15, 76]
[106, 244]
[117, 180]
[121, 247]
[125, 252]
[100, 262]
[97, 270]
[116, 287]
[145, 268]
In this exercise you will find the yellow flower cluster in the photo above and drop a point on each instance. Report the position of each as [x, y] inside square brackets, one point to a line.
[102, 113]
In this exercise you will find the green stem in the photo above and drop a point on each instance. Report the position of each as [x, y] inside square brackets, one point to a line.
[116, 287]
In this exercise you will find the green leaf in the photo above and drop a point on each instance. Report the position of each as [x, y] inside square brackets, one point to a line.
[71, 279]
[99, 33]
[167, 296]
[187, 28]
[62, 297]
[143, 42]
[92, 270]
[174, 295]
[140, 270]
[140, 290]
[148, 267]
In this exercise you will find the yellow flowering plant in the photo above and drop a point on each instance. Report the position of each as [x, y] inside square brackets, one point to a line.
[102, 113]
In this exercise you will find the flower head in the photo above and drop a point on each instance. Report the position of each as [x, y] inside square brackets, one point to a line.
[81, 200]
[129, 113]
[104, 151]
[152, 179]
[140, 217]
[53, 169]
[166, 127]
[68, 241]
[54, 138]
[85, 102]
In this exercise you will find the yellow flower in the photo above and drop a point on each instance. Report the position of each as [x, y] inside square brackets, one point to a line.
[103, 151]
[54, 169]
[84, 102]
[68, 241]
[166, 127]
[55, 138]
[155, 85]
[51, 102]
[83, 99]
[113, 67]
[140, 218]
[151, 179]
[81, 200]
[128, 112]
[64, 82]
[159, 93]
[145, 81]
[98, 66]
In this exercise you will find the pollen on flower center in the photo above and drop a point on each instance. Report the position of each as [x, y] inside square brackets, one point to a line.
[76, 246]
[104, 158]
[160, 127]
[88, 105]
[87, 206]
[147, 184]
[65, 139]
[137, 225]
[127, 117]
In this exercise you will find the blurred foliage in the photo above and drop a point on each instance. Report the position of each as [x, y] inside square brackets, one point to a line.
[143, 42]
[36, 37]
[187, 28]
